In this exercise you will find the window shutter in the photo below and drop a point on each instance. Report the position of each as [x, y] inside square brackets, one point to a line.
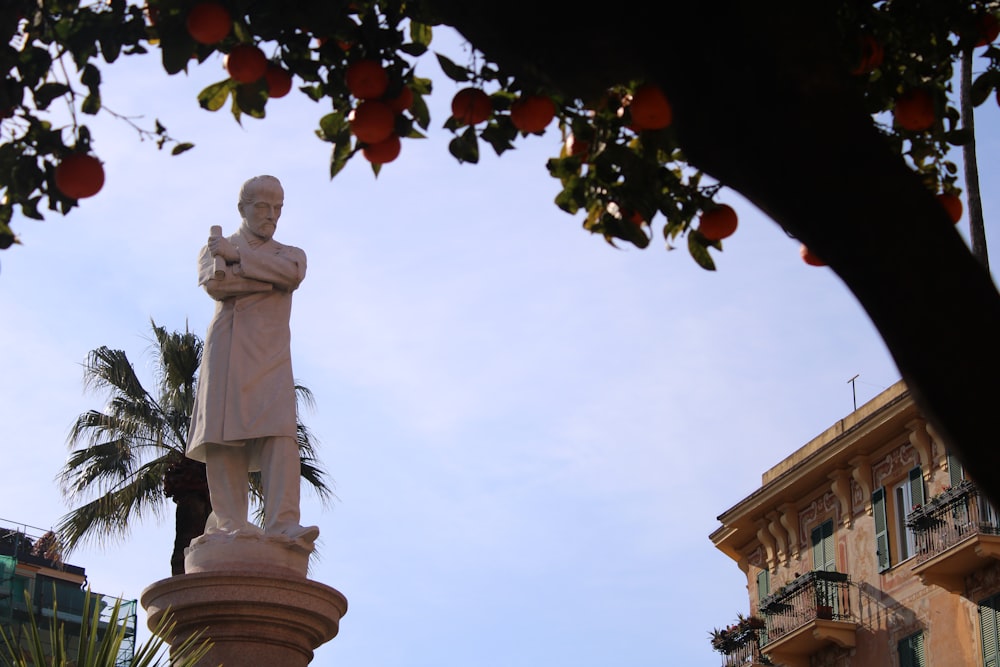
[988, 630]
[824, 553]
[956, 473]
[763, 585]
[911, 651]
[916, 490]
[881, 529]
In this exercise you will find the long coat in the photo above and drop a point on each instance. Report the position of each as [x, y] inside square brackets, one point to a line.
[245, 385]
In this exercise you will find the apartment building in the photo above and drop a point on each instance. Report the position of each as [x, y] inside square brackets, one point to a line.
[867, 547]
[34, 581]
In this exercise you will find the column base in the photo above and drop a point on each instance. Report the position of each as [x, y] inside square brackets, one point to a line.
[253, 619]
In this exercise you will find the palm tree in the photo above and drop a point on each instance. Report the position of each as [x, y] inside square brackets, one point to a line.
[129, 458]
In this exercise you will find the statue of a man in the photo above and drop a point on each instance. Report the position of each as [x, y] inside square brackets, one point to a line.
[244, 415]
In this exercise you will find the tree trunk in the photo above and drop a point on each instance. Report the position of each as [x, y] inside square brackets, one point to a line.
[190, 516]
[186, 482]
[763, 103]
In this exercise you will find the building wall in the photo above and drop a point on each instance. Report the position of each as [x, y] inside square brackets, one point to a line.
[771, 530]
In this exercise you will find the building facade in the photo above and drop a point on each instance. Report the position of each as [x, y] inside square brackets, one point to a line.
[867, 547]
[34, 582]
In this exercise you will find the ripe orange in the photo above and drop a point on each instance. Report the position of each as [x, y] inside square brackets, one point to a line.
[245, 63]
[532, 113]
[989, 29]
[650, 108]
[79, 175]
[471, 106]
[372, 121]
[208, 22]
[401, 102]
[718, 223]
[872, 55]
[809, 258]
[914, 110]
[384, 151]
[279, 80]
[366, 79]
[952, 205]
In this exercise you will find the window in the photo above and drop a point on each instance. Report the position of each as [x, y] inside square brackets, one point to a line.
[956, 473]
[911, 651]
[763, 585]
[892, 536]
[988, 618]
[823, 547]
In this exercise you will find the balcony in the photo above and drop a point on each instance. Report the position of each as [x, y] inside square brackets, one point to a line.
[956, 533]
[739, 643]
[807, 615]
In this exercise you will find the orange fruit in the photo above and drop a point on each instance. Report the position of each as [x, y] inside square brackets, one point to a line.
[366, 79]
[650, 108]
[989, 29]
[401, 102]
[871, 57]
[718, 223]
[384, 151]
[279, 80]
[79, 175]
[952, 205]
[809, 258]
[914, 110]
[245, 63]
[372, 121]
[208, 22]
[471, 106]
[532, 113]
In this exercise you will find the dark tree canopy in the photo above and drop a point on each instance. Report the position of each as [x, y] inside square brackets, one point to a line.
[835, 118]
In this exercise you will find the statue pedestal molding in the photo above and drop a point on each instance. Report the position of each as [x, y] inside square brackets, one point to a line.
[254, 614]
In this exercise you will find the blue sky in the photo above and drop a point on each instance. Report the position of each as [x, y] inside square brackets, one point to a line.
[530, 432]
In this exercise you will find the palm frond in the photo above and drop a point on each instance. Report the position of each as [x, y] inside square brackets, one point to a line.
[107, 518]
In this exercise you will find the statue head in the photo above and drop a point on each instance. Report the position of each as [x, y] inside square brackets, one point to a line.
[260, 202]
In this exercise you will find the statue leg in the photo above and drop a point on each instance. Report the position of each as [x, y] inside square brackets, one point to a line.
[226, 468]
[280, 473]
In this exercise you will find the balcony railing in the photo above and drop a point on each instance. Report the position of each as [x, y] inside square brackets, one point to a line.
[952, 517]
[956, 533]
[816, 595]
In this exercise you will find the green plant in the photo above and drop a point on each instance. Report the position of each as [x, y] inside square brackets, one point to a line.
[97, 648]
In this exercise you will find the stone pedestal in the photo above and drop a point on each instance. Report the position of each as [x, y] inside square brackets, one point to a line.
[258, 612]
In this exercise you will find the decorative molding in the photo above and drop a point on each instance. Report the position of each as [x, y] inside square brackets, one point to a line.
[789, 517]
[921, 441]
[861, 471]
[765, 539]
[840, 485]
[780, 540]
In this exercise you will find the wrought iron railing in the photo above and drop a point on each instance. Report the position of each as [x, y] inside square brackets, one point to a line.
[748, 654]
[951, 517]
[815, 595]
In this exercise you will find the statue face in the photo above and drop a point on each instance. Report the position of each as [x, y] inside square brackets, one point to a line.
[263, 210]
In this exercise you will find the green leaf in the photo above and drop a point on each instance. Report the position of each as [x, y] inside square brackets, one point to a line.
[465, 147]
[338, 159]
[181, 148]
[699, 251]
[48, 92]
[251, 98]
[214, 96]
[983, 86]
[420, 33]
[177, 47]
[453, 71]
[333, 126]
[91, 104]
